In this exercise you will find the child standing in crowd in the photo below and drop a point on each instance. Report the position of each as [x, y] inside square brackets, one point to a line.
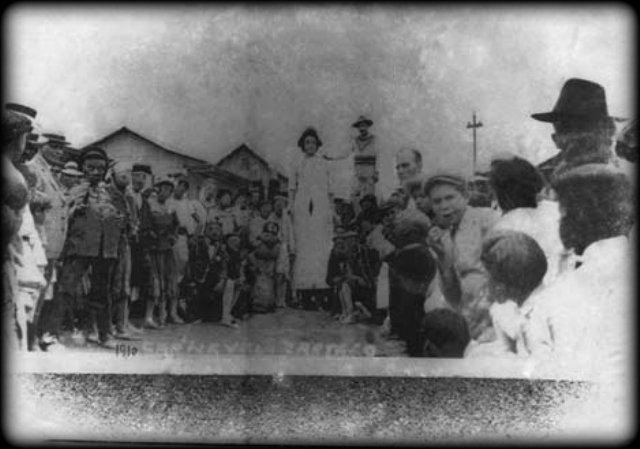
[346, 216]
[137, 194]
[210, 274]
[256, 227]
[235, 284]
[121, 288]
[263, 261]
[95, 228]
[242, 214]
[223, 212]
[255, 197]
[282, 216]
[158, 231]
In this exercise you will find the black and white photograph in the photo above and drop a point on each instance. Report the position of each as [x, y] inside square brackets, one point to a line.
[336, 224]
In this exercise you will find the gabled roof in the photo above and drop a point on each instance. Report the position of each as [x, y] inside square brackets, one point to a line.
[161, 146]
[244, 147]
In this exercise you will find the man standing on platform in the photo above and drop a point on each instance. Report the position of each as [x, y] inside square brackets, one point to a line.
[365, 165]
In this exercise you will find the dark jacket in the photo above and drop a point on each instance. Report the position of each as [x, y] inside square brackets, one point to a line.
[95, 223]
[158, 226]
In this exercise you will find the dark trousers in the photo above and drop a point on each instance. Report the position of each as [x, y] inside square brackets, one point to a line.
[97, 303]
[411, 315]
[395, 304]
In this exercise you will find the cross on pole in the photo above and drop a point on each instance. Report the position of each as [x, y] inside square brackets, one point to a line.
[474, 125]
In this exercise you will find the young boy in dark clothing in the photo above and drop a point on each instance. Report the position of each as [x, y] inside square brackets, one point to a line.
[210, 274]
[414, 269]
[351, 278]
[263, 261]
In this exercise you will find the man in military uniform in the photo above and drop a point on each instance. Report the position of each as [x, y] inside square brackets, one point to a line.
[95, 227]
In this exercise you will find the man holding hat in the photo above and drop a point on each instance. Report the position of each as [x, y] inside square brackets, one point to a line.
[581, 122]
[91, 246]
[457, 241]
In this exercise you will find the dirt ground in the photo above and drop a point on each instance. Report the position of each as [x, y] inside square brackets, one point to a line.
[284, 332]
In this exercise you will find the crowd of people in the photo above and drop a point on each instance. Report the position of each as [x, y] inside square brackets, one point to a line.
[543, 274]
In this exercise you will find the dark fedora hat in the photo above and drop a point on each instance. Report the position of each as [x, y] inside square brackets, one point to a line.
[362, 120]
[579, 99]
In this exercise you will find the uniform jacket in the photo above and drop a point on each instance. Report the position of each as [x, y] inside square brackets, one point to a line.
[95, 223]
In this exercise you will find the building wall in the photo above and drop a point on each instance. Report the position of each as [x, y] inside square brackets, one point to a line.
[243, 163]
[130, 148]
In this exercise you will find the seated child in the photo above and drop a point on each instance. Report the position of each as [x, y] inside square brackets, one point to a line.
[263, 261]
[445, 334]
[350, 278]
[516, 265]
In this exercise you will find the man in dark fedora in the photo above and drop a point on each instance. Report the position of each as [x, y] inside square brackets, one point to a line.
[583, 128]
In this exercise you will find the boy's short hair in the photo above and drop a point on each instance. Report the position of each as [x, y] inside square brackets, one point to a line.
[447, 330]
[515, 260]
[415, 262]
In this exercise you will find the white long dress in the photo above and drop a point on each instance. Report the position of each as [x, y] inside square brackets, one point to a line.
[312, 222]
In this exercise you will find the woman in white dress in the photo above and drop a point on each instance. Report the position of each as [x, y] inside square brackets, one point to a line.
[312, 199]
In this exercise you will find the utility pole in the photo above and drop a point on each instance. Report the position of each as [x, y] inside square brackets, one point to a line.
[474, 125]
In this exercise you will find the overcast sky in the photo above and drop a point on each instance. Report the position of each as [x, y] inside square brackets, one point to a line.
[207, 79]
